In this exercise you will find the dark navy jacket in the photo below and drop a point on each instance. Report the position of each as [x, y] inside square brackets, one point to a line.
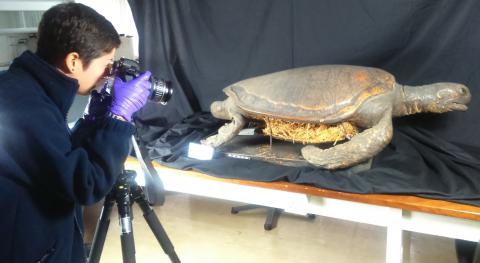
[46, 170]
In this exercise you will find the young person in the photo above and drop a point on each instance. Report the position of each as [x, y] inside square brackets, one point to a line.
[46, 170]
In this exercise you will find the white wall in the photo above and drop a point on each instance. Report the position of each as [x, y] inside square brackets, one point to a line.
[16, 24]
[18, 20]
[119, 13]
[12, 45]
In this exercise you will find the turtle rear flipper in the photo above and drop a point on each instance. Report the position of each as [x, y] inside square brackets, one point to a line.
[360, 148]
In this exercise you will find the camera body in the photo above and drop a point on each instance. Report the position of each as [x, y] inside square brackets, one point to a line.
[126, 69]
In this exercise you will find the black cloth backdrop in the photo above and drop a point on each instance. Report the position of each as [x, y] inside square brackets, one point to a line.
[202, 46]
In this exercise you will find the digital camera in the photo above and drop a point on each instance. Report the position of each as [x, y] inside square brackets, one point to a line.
[126, 69]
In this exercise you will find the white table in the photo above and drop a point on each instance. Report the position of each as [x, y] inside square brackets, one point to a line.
[395, 212]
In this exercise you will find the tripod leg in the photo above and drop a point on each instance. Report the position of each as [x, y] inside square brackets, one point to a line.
[125, 215]
[101, 231]
[160, 234]
[126, 238]
[154, 224]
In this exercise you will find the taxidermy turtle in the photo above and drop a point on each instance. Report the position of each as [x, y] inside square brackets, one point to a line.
[332, 103]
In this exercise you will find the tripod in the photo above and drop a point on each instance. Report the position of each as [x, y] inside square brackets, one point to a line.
[125, 192]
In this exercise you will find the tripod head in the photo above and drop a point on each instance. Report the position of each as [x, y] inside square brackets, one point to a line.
[127, 177]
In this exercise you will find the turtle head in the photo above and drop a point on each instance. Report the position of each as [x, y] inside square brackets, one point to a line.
[437, 98]
[219, 110]
[448, 97]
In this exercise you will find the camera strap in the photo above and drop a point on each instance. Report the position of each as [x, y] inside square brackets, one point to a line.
[153, 184]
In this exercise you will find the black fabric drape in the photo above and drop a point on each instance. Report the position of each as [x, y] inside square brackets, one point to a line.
[202, 46]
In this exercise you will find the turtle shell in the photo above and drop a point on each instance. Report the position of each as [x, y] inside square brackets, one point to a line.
[320, 94]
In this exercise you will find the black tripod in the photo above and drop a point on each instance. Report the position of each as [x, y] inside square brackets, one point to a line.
[125, 192]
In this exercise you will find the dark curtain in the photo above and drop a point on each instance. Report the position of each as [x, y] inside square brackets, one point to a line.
[201, 46]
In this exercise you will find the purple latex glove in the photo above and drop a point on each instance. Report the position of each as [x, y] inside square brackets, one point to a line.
[129, 97]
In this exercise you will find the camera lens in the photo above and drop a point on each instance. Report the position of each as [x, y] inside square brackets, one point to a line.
[160, 91]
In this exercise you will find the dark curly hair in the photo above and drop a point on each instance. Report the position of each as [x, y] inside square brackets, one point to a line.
[74, 27]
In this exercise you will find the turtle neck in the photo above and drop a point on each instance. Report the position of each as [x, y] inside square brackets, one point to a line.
[58, 87]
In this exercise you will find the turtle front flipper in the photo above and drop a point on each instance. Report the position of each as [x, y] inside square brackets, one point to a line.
[226, 110]
[226, 132]
[360, 148]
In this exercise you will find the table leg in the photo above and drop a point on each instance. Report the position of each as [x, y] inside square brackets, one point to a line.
[394, 237]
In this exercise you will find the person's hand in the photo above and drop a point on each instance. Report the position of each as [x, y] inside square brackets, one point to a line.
[98, 106]
[129, 97]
